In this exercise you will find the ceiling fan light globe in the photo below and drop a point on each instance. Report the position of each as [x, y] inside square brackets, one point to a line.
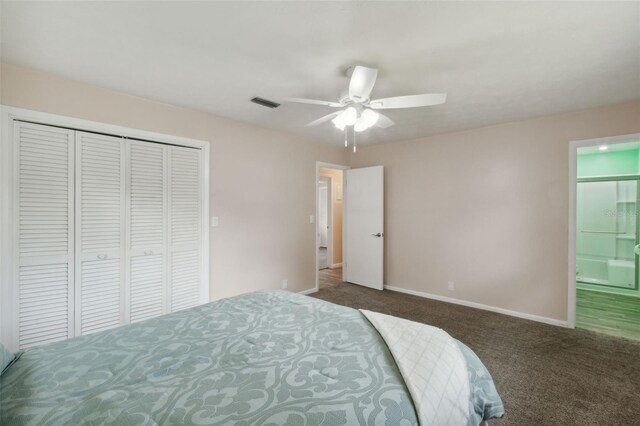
[339, 123]
[360, 125]
[370, 117]
[349, 116]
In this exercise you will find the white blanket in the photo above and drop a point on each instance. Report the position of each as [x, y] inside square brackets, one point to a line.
[432, 366]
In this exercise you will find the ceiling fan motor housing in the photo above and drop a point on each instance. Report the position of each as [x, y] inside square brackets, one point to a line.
[349, 71]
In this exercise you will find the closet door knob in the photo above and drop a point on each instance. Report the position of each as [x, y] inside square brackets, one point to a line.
[102, 256]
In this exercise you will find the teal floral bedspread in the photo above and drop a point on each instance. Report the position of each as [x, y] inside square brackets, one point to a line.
[265, 358]
[268, 358]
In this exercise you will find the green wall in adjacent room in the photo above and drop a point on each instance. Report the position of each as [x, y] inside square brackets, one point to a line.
[613, 163]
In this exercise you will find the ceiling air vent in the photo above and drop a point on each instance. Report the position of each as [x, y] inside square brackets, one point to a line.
[265, 102]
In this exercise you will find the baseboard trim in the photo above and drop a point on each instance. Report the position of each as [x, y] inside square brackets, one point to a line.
[517, 314]
[310, 291]
[336, 265]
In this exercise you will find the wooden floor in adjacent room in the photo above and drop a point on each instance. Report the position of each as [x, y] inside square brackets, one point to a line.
[608, 313]
[329, 277]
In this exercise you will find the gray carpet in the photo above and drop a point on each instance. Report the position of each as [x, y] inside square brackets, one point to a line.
[546, 375]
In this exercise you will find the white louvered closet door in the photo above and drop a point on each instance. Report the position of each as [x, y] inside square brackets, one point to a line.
[44, 215]
[100, 232]
[147, 230]
[185, 227]
[106, 231]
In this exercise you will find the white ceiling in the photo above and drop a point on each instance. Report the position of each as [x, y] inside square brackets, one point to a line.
[498, 62]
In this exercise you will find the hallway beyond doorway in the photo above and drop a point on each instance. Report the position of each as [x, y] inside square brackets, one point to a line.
[328, 219]
[323, 260]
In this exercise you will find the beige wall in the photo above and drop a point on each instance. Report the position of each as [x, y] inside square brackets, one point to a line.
[485, 208]
[262, 181]
[488, 208]
[336, 194]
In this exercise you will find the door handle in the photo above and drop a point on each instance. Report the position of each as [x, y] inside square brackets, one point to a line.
[636, 250]
[378, 235]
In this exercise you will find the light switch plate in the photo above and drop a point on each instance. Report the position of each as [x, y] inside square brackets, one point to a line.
[312, 219]
[214, 221]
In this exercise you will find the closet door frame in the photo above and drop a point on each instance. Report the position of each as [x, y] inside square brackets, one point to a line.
[9, 168]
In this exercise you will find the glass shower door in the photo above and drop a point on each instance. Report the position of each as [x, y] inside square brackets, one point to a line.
[607, 232]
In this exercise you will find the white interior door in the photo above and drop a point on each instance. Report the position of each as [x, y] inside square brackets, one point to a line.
[364, 226]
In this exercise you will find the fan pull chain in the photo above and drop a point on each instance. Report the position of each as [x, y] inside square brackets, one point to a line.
[354, 138]
[346, 139]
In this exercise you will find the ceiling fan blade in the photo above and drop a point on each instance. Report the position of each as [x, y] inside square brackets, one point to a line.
[325, 118]
[411, 101]
[313, 102]
[384, 121]
[361, 83]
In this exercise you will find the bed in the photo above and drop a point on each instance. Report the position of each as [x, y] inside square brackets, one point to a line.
[268, 358]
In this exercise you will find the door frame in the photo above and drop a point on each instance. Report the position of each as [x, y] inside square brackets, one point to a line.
[321, 164]
[573, 182]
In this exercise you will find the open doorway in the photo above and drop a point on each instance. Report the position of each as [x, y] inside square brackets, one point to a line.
[329, 229]
[325, 214]
[606, 243]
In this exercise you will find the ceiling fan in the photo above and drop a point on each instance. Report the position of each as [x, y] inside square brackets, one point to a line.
[360, 111]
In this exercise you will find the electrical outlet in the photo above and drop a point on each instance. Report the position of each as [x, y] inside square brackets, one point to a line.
[285, 284]
[451, 286]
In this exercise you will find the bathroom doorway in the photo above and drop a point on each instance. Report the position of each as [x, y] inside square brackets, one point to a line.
[607, 238]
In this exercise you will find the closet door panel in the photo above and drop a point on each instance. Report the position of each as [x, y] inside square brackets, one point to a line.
[100, 229]
[44, 315]
[148, 234]
[185, 279]
[100, 308]
[185, 227]
[44, 212]
[147, 287]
